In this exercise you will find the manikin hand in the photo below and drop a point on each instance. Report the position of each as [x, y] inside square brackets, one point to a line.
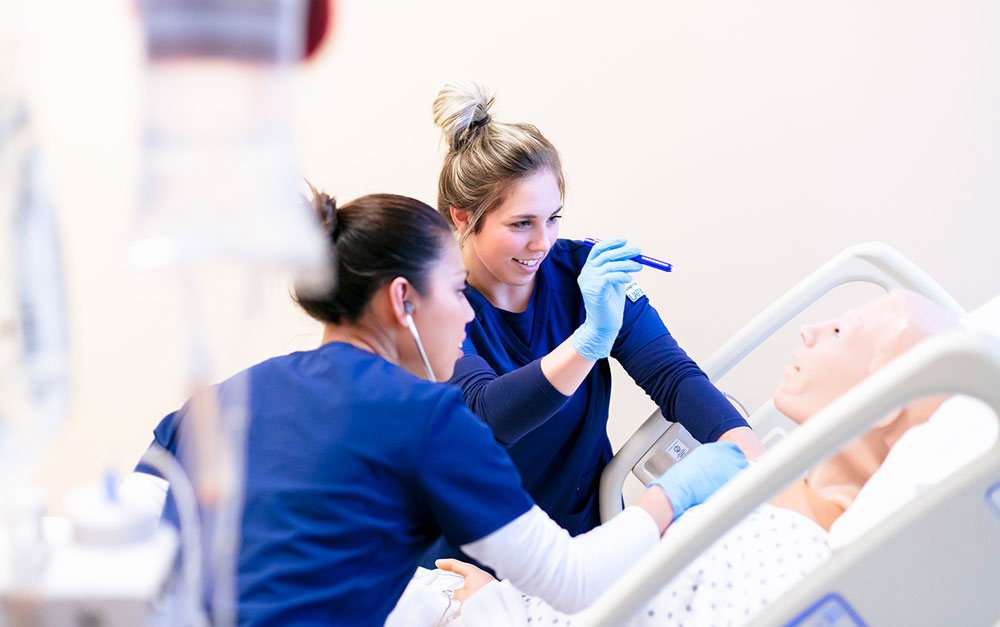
[602, 283]
[475, 577]
[699, 474]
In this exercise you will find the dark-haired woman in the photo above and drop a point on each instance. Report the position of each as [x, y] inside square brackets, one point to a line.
[355, 462]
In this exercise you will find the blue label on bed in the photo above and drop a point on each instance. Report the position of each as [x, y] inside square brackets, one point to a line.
[830, 611]
[993, 498]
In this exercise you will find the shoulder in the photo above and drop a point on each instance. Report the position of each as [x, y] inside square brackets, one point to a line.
[569, 253]
[563, 264]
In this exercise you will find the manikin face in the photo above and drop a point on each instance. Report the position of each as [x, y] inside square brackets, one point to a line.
[834, 356]
[516, 236]
[440, 314]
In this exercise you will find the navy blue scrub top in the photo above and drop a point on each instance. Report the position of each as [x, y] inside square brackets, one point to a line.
[354, 466]
[558, 443]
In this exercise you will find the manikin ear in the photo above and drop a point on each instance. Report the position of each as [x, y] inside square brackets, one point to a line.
[893, 341]
[889, 419]
[400, 292]
[888, 347]
[461, 218]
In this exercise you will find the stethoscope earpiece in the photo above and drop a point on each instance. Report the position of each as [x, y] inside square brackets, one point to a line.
[408, 309]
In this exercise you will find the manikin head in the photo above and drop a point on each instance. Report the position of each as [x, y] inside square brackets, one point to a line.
[837, 354]
[834, 357]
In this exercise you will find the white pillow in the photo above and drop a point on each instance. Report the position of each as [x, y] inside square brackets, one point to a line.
[959, 431]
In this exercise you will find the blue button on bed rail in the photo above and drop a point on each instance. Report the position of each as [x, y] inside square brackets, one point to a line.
[993, 498]
[830, 611]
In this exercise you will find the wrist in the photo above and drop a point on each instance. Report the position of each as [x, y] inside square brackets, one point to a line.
[655, 502]
[678, 498]
[590, 344]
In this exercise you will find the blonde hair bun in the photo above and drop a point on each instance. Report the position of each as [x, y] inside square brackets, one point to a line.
[460, 110]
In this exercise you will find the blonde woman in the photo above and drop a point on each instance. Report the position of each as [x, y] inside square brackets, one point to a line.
[549, 313]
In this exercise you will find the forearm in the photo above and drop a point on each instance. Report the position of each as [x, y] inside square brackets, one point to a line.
[500, 401]
[539, 557]
[680, 388]
[565, 368]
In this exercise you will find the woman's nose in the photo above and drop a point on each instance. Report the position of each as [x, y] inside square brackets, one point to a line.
[539, 239]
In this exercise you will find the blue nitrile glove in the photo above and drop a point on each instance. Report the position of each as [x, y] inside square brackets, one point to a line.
[699, 474]
[602, 282]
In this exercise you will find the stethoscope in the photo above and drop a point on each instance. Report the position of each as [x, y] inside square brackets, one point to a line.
[408, 309]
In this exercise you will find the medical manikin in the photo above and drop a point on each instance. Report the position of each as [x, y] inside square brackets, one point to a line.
[777, 544]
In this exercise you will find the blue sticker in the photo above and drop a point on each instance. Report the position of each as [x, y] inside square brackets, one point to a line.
[830, 611]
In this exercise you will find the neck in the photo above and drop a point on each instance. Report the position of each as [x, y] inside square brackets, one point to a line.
[501, 295]
[363, 336]
[831, 487]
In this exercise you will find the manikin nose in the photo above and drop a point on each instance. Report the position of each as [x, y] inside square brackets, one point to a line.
[808, 334]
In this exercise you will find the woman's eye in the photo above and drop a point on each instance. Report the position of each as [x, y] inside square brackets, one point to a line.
[553, 219]
[521, 224]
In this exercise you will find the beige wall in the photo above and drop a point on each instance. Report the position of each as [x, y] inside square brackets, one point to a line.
[744, 142]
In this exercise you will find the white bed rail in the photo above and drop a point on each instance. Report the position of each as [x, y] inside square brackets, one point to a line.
[965, 362]
[871, 262]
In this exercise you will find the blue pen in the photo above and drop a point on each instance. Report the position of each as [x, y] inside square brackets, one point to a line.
[643, 259]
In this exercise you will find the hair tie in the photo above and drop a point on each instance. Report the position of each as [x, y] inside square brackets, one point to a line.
[481, 122]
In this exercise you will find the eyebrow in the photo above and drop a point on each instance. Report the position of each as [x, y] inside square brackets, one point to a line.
[532, 216]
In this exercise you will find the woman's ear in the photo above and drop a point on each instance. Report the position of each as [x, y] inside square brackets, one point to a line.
[400, 293]
[461, 219]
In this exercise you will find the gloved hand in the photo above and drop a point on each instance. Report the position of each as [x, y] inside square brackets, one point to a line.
[699, 474]
[602, 282]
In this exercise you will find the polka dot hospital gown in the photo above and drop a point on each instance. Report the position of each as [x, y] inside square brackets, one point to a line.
[746, 569]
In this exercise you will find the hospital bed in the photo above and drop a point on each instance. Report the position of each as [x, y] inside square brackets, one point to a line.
[935, 561]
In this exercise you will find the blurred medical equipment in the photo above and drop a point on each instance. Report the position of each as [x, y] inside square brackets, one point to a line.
[34, 346]
[932, 560]
[221, 190]
[220, 193]
[34, 360]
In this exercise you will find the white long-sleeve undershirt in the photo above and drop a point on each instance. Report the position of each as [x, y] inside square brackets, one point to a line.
[539, 557]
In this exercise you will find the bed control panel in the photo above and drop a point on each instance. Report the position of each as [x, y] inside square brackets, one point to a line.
[669, 448]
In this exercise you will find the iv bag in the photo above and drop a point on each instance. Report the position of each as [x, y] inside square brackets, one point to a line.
[220, 177]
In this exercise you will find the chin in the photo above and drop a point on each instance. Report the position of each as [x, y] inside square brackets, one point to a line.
[519, 279]
[786, 404]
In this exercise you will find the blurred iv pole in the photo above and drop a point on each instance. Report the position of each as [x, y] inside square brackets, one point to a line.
[221, 194]
[220, 189]
[34, 360]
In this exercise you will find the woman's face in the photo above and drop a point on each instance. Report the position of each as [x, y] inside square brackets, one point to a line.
[440, 314]
[834, 357]
[515, 237]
